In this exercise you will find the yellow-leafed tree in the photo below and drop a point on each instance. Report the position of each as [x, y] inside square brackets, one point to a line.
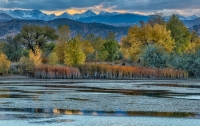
[4, 64]
[61, 44]
[139, 37]
[74, 53]
[36, 56]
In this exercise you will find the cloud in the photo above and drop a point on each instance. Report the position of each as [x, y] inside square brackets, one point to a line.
[140, 6]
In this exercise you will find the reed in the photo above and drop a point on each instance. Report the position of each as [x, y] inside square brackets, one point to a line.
[104, 71]
[56, 72]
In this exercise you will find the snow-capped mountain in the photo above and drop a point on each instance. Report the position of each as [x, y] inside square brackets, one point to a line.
[65, 15]
[88, 13]
[192, 17]
[183, 18]
[111, 18]
[28, 14]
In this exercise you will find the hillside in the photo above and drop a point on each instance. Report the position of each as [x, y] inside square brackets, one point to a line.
[13, 27]
[5, 17]
[120, 19]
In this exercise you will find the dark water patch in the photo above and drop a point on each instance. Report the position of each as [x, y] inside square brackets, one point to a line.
[17, 96]
[78, 99]
[6, 103]
[24, 83]
[174, 85]
[127, 91]
[149, 93]
[24, 116]
[50, 112]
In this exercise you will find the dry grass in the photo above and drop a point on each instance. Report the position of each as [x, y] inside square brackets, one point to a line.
[128, 72]
[56, 72]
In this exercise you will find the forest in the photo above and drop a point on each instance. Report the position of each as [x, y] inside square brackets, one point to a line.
[152, 49]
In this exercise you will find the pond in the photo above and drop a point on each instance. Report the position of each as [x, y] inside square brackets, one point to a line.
[26, 101]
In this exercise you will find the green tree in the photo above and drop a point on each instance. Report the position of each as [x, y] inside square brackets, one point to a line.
[35, 35]
[110, 50]
[179, 33]
[13, 49]
[74, 54]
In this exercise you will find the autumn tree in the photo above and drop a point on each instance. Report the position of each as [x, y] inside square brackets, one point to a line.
[194, 43]
[179, 33]
[36, 56]
[64, 36]
[4, 64]
[34, 35]
[139, 37]
[53, 59]
[74, 54]
[97, 44]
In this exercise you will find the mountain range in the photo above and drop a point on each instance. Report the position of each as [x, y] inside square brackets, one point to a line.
[11, 21]
[12, 27]
[111, 18]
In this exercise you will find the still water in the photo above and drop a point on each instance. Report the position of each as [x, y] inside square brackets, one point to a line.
[26, 101]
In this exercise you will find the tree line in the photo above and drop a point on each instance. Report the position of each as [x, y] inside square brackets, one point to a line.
[156, 43]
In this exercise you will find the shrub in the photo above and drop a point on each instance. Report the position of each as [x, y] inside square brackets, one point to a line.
[4, 64]
[53, 59]
[26, 65]
[152, 56]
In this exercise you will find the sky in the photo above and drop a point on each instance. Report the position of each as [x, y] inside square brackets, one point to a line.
[146, 7]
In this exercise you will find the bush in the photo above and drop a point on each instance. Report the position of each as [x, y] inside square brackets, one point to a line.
[187, 62]
[4, 64]
[152, 56]
[26, 65]
[53, 59]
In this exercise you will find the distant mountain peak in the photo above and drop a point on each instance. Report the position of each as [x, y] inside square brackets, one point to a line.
[89, 13]
[192, 17]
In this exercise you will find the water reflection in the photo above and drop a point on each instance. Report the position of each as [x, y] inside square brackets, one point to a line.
[55, 111]
[175, 85]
